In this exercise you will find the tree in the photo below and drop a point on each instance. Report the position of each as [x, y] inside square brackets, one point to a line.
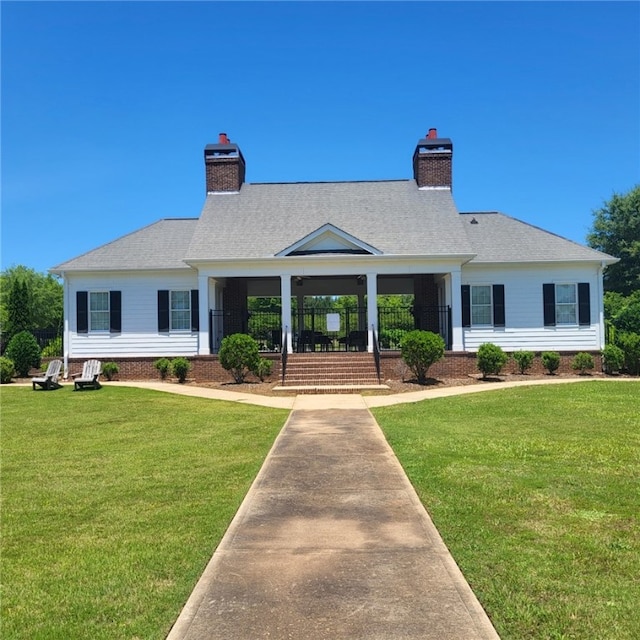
[18, 309]
[45, 297]
[616, 230]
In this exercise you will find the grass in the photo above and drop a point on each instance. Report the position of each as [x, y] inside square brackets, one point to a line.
[536, 493]
[112, 503]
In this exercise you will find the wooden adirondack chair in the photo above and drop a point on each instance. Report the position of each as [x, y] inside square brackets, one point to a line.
[49, 380]
[89, 377]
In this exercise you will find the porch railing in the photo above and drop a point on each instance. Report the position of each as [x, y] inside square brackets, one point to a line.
[376, 351]
[393, 323]
[285, 351]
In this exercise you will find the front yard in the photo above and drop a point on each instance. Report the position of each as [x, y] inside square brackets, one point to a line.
[113, 501]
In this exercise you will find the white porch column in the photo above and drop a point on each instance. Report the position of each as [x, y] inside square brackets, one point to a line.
[66, 338]
[285, 300]
[372, 308]
[203, 314]
[455, 297]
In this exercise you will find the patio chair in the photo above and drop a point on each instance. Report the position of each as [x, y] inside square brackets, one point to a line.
[355, 340]
[89, 377]
[49, 380]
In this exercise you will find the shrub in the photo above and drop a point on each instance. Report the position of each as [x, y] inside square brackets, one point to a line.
[582, 362]
[391, 338]
[239, 354]
[420, 349]
[612, 358]
[491, 358]
[551, 361]
[180, 368]
[263, 368]
[6, 370]
[24, 351]
[524, 360]
[53, 348]
[630, 345]
[110, 369]
[163, 365]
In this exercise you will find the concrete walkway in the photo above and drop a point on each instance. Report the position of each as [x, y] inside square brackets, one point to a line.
[331, 542]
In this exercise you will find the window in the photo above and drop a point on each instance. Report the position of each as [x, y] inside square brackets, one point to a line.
[481, 305]
[178, 310]
[566, 304]
[98, 311]
[180, 307]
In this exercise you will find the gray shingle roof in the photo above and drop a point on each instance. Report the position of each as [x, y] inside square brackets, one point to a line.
[496, 237]
[394, 217]
[262, 220]
[161, 245]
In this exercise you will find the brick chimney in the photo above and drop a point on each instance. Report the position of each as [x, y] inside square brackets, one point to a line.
[432, 162]
[224, 166]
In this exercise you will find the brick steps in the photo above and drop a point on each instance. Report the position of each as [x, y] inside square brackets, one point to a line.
[331, 370]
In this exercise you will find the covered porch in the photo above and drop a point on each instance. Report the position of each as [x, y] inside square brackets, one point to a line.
[307, 312]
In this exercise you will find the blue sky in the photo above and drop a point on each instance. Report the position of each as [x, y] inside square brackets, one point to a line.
[107, 107]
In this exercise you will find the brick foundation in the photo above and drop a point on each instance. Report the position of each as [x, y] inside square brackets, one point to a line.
[208, 369]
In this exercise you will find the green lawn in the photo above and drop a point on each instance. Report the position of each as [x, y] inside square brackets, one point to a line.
[536, 492]
[112, 503]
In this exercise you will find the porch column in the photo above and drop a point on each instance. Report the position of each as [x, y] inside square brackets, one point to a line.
[203, 315]
[372, 308]
[66, 338]
[285, 302]
[455, 296]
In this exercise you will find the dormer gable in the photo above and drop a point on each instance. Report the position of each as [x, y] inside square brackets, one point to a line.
[329, 239]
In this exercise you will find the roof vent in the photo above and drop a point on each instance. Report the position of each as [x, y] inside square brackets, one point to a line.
[473, 221]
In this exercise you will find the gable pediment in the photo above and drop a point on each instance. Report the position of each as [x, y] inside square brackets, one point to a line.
[329, 239]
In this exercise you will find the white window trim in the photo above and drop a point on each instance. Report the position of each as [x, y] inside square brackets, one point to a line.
[575, 323]
[172, 329]
[107, 312]
[475, 325]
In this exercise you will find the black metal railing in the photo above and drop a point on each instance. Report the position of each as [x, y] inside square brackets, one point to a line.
[331, 329]
[284, 352]
[376, 351]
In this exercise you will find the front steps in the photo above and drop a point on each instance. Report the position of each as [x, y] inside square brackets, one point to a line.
[330, 372]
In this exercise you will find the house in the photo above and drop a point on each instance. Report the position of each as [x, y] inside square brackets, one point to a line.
[178, 286]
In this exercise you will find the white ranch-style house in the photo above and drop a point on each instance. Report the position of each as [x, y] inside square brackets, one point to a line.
[178, 286]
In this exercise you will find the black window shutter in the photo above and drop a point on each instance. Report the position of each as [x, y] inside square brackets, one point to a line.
[163, 310]
[466, 305]
[584, 304]
[82, 312]
[115, 311]
[498, 305]
[549, 301]
[195, 311]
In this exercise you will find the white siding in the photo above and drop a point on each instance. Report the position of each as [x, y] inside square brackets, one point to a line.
[524, 321]
[139, 336]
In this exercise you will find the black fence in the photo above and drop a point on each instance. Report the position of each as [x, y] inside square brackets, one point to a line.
[321, 329]
[44, 338]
